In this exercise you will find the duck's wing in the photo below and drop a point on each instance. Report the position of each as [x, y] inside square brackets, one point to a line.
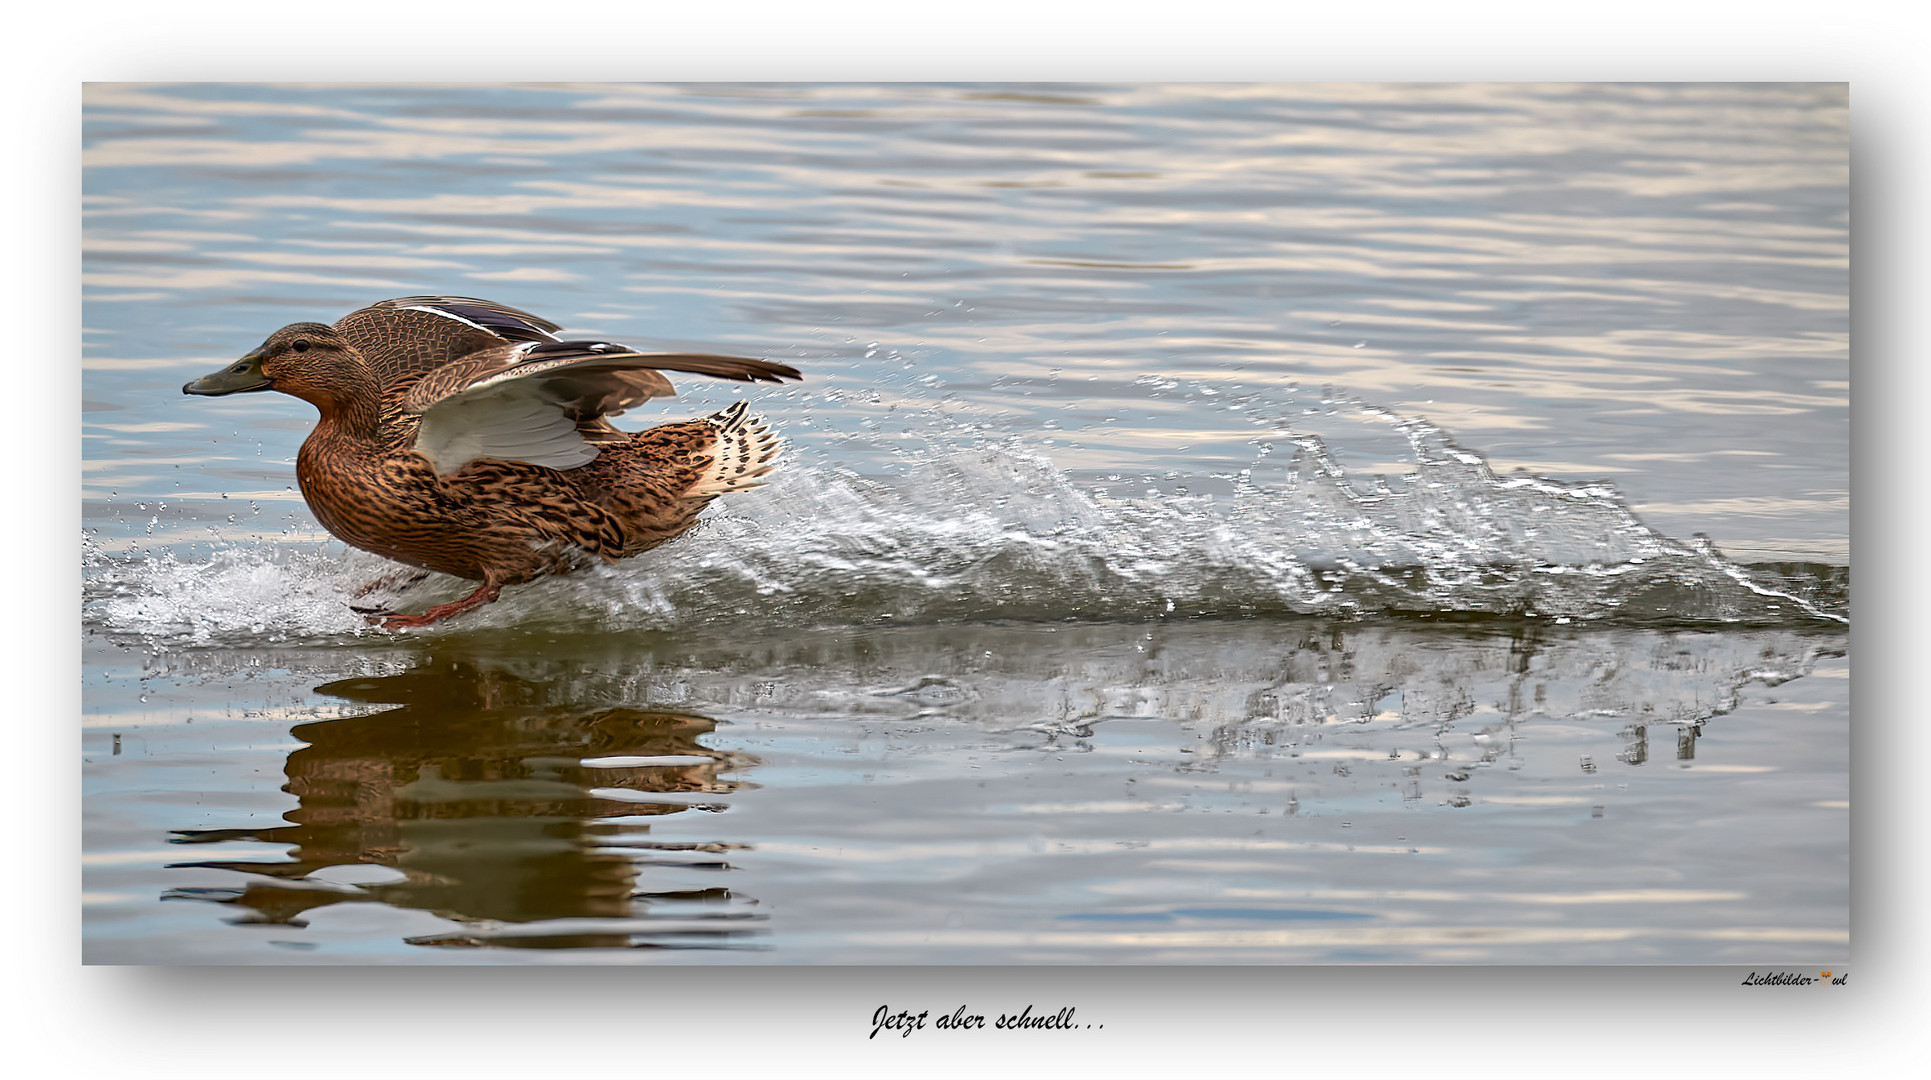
[504, 322]
[546, 402]
[410, 336]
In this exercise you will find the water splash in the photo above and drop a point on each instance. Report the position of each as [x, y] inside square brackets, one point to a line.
[976, 528]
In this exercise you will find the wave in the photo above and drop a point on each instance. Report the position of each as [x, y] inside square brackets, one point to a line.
[975, 529]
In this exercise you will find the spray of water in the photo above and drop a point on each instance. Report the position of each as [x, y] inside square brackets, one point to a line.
[974, 528]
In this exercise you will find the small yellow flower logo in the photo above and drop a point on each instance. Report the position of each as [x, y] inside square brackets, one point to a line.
[1826, 974]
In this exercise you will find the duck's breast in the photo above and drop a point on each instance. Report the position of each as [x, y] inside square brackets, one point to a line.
[389, 504]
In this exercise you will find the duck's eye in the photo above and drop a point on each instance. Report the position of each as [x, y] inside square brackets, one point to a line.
[300, 346]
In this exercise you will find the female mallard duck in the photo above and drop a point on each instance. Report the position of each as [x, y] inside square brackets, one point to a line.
[465, 437]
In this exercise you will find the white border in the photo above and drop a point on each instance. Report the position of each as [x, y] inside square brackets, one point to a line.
[554, 1022]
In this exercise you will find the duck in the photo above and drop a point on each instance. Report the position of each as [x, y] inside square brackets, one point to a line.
[461, 436]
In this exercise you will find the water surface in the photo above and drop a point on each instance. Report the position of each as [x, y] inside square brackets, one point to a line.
[1282, 524]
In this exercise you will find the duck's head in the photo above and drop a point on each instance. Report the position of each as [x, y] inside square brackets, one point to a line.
[307, 360]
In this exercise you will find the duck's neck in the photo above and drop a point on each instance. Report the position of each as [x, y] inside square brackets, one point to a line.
[351, 405]
[356, 418]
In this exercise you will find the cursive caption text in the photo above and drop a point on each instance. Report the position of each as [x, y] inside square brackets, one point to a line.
[904, 1022]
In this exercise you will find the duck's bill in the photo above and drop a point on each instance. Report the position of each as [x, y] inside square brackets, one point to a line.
[240, 377]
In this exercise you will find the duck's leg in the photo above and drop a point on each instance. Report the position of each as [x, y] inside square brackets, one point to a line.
[486, 592]
[400, 579]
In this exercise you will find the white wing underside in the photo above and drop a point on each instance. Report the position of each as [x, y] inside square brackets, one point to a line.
[514, 422]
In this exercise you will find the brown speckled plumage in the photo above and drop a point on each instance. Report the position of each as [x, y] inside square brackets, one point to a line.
[461, 436]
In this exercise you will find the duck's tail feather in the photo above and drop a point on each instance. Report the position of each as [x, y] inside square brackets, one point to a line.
[746, 450]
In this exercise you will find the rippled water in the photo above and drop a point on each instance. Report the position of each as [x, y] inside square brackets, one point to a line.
[1221, 524]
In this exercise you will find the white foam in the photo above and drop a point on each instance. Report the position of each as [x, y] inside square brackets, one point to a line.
[997, 531]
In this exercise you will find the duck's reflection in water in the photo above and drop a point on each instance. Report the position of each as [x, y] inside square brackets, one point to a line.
[487, 798]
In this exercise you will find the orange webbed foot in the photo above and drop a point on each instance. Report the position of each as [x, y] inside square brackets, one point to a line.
[401, 579]
[484, 593]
